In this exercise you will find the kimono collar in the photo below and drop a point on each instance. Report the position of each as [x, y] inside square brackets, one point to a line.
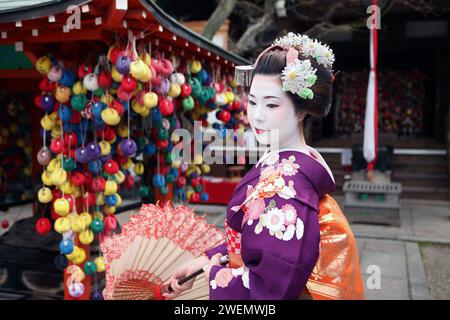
[312, 166]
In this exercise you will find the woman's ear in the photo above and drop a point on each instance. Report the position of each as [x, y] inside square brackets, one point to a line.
[301, 116]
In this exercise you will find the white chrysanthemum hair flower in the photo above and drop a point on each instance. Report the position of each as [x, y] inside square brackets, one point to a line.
[298, 77]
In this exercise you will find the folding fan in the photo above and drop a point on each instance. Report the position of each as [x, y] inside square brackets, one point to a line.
[151, 246]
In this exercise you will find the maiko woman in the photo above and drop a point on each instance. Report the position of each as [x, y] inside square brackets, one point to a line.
[286, 237]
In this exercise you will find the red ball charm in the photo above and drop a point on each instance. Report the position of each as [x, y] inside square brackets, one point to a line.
[185, 90]
[166, 107]
[43, 226]
[5, 224]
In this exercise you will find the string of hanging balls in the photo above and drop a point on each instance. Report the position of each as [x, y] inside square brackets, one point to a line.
[102, 125]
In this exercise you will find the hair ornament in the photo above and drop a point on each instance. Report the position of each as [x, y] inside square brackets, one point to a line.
[299, 76]
[308, 47]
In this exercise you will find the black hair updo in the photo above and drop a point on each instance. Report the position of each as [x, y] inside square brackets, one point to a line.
[273, 61]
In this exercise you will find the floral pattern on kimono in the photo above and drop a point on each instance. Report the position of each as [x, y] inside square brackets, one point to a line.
[276, 216]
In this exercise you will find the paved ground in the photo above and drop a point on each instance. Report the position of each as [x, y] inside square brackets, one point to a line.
[412, 260]
[436, 259]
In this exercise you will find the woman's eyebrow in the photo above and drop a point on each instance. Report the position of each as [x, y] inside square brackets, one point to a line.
[265, 97]
[268, 97]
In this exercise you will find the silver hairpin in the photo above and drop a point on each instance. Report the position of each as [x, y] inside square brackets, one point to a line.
[243, 75]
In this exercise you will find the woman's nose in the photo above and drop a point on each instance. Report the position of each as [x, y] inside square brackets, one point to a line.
[259, 115]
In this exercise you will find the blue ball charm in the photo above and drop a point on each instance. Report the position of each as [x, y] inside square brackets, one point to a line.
[159, 180]
[111, 200]
[204, 197]
[174, 172]
[150, 149]
[66, 246]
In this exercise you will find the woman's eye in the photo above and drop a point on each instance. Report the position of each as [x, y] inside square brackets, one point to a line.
[252, 103]
[271, 105]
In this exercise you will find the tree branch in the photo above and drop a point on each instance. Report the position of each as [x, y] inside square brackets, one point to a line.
[219, 15]
[248, 39]
[321, 29]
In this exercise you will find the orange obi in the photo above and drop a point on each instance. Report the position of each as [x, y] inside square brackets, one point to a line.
[337, 274]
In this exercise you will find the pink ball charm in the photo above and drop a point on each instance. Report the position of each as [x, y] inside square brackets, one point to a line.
[44, 156]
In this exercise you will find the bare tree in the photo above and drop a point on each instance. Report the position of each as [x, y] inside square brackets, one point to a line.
[218, 17]
[318, 18]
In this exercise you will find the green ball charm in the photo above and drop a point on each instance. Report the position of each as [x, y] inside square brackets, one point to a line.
[99, 92]
[143, 191]
[164, 189]
[89, 268]
[168, 157]
[173, 122]
[163, 134]
[188, 103]
[68, 164]
[198, 188]
[97, 225]
[170, 178]
[142, 142]
[79, 102]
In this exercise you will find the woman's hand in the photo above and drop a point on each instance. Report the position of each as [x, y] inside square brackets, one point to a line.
[215, 261]
[182, 272]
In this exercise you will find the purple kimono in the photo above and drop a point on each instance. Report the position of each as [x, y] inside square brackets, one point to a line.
[272, 229]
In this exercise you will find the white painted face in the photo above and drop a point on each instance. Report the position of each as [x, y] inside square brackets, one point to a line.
[271, 112]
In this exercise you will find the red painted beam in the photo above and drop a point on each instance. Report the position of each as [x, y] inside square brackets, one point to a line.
[19, 73]
[48, 37]
[114, 16]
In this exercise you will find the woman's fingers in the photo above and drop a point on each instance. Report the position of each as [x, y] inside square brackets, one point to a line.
[170, 296]
[215, 260]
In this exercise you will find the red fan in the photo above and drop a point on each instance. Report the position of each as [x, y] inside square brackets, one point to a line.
[152, 245]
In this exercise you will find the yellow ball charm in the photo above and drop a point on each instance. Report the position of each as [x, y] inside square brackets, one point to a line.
[139, 168]
[196, 66]
[100, 264]
[75, 253]
[86, 237]
[110, 116]
[80, 259]
[78, 224]
[110, 188]
[150, 100]
[59, 176]
[45, 195]
[105, 147]
[61, 206]
[119, 176]
[62, 225]
[206, 168]
[46, 178]
[100, 200]
[86, 217]
[119, 200]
